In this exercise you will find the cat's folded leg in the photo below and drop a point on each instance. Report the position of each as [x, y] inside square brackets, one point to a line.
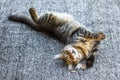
[90, 61]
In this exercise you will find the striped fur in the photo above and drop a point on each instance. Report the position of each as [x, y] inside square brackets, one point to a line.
[63, 27]
[59, 25]
[74, 53]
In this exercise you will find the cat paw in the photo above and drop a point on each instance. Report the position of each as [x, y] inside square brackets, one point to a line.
[70, 67]
[81, 66]
[58, 56]
[72, 71]
[101, 35]
[32, 9]
[89, 64]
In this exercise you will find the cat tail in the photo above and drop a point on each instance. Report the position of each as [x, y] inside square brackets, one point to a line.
[24, 20]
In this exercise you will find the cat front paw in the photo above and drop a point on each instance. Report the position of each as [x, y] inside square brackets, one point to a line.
[58, 56]
[32, 9]
[81, 66]
[101, 35]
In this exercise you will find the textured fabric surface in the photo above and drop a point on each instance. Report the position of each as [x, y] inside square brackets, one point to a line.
[28, 55]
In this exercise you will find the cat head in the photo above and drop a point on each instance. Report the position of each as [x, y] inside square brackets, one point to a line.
[73, 53]
[69, 54]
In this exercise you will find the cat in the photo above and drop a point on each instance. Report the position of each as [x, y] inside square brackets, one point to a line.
[59, 25]
[75, 53]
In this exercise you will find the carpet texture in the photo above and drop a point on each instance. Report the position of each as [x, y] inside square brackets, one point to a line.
[28, 55]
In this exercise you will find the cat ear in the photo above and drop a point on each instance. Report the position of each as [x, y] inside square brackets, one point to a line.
[58, 56]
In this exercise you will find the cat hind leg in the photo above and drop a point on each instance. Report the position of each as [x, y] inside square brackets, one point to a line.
[34, 14]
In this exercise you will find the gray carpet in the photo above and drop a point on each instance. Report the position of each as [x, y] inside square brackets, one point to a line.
[28, 55]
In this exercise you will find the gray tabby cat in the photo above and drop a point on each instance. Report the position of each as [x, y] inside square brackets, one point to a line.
[60, 25]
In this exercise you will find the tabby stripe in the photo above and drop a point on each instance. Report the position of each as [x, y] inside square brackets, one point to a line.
[63, 30]
[42, 19]
[83, 52]
[46, 18]
[49, 20]
[67, 30]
